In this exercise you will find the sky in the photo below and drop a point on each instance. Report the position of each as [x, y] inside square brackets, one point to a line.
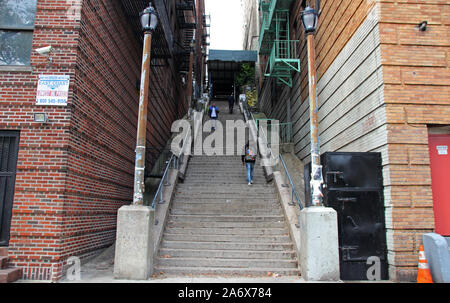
[226, 24]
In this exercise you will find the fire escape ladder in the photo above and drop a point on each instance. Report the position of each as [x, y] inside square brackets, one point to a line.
[281, 53]
[186, 18]
[206, 27]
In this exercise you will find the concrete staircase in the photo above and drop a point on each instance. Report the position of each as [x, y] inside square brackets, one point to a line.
[219, 225]
[8, 274]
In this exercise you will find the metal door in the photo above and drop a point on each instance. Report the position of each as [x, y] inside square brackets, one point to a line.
[9, 143]
[354, 188]
[440, 180]
[361, 232]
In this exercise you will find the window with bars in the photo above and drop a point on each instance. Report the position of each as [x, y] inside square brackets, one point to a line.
[9, 144]
[16, 31]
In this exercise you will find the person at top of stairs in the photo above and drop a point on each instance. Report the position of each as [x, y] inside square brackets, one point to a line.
[231, 103]
[249, 159]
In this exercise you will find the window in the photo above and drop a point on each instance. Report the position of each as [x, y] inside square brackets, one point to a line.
[16, 31]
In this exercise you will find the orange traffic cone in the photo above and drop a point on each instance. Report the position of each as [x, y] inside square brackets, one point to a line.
[423, 274]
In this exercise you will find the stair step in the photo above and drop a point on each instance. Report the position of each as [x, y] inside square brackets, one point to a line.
[218, 179]
[217, 262]
[228, 167]
[227, 238]
[220, 160]
[218, 207]
[194, 224]
[232, 201]
[227, 231]
[179, 271]
[225, 254]
[250, 191]
[235, 211]
[215, 173]
[227, 201]
[3, 251]
[225, 218]
[11, 274]
[220, 189]
[287, 246]
[217, 170]
[224, 182]
[226, 212]
[219, 175]
[235, 164]
[223, 195]
[4, 262]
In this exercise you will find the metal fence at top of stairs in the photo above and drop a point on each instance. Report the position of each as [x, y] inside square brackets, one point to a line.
[285, 129]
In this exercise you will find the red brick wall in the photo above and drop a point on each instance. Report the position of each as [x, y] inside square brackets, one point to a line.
[74, 173]
[38, 211]
[417, 93]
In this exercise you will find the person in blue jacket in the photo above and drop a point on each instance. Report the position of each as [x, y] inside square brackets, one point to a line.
[213, 115]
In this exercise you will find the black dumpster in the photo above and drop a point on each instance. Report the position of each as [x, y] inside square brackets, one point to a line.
[353, 186]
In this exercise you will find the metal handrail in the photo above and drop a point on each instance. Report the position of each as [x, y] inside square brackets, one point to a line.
[177, 161]
[293, 189]
[164, 182]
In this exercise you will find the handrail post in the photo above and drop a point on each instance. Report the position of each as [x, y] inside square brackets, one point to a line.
[161, 200]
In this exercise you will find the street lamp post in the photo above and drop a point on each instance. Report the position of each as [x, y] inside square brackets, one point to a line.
[309, 20]
[149, 21]
[203, 70]
[318, 225]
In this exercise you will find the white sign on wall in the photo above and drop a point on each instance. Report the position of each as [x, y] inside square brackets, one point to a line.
[53, 90]
[442, 149]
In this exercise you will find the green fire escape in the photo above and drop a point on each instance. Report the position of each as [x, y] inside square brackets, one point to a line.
[274, 41]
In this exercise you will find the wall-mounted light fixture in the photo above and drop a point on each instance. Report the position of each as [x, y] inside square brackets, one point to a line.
[40, 117]
[423, 26]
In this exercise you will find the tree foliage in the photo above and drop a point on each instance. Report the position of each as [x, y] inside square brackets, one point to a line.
[246, 75]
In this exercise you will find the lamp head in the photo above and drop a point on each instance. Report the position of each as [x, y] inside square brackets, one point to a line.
[310, 20]
[149, 19]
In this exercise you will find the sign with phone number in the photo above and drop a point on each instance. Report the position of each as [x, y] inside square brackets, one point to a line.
[53, 90]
